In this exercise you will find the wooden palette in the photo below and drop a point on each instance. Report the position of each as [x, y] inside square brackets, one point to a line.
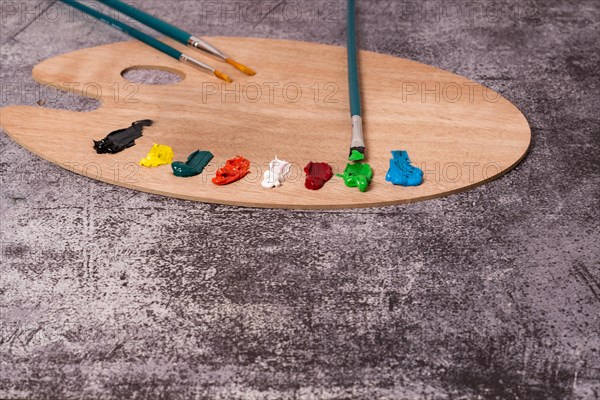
[460, 133]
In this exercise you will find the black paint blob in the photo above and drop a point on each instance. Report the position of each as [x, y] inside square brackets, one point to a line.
[122, 139]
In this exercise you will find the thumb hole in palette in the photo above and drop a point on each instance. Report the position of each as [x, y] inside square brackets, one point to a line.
[149, 75]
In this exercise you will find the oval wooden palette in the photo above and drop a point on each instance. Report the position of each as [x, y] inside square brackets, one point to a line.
[460, 133]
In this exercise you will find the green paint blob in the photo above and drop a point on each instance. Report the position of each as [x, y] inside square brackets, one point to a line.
[356, 156]
[194, 165]
[357, 175]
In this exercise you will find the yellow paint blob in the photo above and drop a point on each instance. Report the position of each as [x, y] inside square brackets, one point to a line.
[159, 155]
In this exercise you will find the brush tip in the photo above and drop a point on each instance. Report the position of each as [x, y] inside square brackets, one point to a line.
[241, 67]
[357, 154]
[223, 76]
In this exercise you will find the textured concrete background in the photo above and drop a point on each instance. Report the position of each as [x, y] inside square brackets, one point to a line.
[107, 293]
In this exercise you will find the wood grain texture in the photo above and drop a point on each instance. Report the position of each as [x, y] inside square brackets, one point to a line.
[459, 132]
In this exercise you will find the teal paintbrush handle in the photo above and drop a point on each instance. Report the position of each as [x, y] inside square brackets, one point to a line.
[353, 84]
[148, 20]
[149, 40]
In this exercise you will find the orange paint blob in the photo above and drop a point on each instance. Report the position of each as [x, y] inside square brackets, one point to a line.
[234, 170]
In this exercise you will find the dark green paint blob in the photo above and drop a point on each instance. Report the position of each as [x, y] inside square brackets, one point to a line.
[356, 155]
[194, 164]
[357, 175]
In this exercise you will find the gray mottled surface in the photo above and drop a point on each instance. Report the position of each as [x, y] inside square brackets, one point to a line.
[107, 293]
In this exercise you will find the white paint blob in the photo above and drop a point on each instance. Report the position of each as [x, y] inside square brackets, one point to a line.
[278, 169]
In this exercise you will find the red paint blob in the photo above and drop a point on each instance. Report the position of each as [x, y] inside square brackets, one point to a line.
[317, 174]
[234, 170]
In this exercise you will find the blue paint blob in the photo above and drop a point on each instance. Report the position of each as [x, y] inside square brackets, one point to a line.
[401, 172]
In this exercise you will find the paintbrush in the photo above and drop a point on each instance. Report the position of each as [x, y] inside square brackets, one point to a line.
[357, 145]
[147, 39]
[175, 33]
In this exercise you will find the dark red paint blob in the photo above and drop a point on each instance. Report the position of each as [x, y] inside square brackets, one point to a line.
[317, 174]
[234, 170]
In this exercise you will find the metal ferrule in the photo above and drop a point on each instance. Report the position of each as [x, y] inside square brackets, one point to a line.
[200, 44]
[358, 140]
[196, 64]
